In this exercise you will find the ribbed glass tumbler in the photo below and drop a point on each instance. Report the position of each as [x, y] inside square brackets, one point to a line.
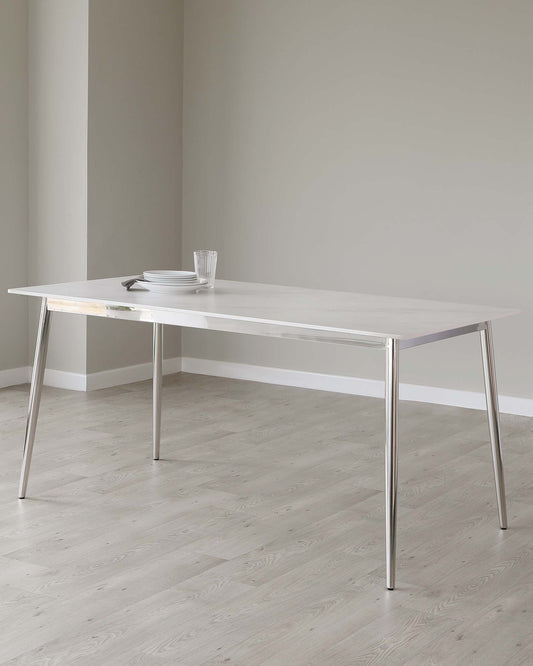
[205, 265]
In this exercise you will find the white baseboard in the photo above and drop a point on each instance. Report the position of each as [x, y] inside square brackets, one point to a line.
[352, 385]
[129, 374]
[258, 373]
[74, 381]
[14, 376]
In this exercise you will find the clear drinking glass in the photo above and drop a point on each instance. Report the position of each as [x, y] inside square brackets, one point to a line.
[205, 265]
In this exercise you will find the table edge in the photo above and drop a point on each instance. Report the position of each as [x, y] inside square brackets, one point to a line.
[405, 338]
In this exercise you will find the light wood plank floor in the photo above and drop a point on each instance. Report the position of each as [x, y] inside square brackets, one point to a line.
[259, 536]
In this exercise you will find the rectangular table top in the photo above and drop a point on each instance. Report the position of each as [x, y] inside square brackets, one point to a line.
[314, 309]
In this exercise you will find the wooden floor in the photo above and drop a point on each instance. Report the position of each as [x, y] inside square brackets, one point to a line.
[258, 538]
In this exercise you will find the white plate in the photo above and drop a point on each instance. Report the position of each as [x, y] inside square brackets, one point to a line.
[161, 280]
[157, 278]
[172, 281]
[172, 272]
[166, 275]
[171, 288]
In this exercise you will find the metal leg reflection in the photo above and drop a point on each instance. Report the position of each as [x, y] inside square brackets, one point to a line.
[493, 413]
[37, 376]
[157, 383]
[391, 456]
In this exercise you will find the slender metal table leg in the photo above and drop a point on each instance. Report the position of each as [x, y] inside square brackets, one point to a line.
[157, 382]
[493, 413]
[37, 376]
[391, 456]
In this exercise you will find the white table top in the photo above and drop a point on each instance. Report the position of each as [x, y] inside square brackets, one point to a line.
[336, 311]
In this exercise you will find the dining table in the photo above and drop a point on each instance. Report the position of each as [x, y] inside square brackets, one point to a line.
[385, 324]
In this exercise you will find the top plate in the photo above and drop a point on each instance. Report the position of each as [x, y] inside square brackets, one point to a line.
[171, 274]
[170, 277]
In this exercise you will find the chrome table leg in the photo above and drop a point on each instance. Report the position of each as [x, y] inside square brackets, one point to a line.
[391, 456]
[35, 394]
[157, 382]
[493, 413]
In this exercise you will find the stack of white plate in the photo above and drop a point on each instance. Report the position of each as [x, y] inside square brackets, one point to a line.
[171, 282]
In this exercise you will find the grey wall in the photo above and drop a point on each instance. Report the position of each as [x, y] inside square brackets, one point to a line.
[58, 165]
[134, 171]
[382, 147]
[90, 165]
[13, 179]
